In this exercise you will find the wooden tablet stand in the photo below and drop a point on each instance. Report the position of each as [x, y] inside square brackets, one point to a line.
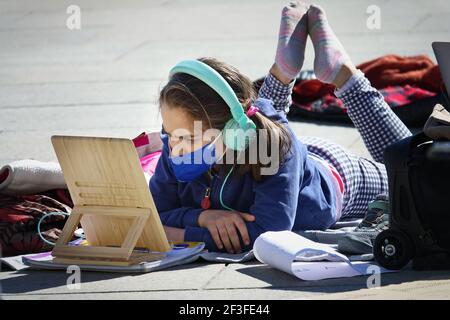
[111, 200]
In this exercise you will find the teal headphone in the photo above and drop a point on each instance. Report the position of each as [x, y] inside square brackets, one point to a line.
[240, 130]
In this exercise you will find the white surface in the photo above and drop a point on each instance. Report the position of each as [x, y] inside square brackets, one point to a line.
[306, 259]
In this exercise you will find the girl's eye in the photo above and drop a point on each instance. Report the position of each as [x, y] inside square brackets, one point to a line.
[176, 139]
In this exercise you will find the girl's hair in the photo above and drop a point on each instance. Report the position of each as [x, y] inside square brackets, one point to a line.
[205, 104]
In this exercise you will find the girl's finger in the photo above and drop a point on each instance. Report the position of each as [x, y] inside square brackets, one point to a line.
[223, 233]
[247, 216]
[242, 227]
[234, 237]
[216, 237]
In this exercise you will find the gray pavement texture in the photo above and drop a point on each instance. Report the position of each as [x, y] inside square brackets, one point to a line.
[103, 80]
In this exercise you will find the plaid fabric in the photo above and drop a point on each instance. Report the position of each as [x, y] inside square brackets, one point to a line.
[398, 96]
[375, 121]
[279, 93]
[363, 178]
[19, 216]
[395, 96]
[327, 104]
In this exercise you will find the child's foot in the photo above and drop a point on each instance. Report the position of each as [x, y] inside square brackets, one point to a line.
[330, 54]
[292, 39]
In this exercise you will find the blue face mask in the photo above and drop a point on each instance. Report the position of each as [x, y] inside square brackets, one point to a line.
[190, 166]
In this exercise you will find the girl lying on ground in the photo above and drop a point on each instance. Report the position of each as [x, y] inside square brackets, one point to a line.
[228, 205]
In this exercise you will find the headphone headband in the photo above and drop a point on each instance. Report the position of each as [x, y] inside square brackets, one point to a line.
[214, 80]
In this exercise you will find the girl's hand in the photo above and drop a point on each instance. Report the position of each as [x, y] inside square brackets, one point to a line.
[174, 234]
[223, 226]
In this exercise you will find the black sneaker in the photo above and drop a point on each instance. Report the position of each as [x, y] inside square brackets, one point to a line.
[361, 239]
[377, 217]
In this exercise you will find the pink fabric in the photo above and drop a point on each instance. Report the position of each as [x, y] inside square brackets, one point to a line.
[252, 110]
[149, 162]
[141, 140]
[148, 145]
[338, 178]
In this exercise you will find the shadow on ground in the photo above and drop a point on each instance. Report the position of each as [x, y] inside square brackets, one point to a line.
[26, 281]
[279, 280]
[257, 276]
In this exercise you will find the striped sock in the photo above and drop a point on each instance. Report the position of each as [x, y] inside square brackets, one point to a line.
[292, 39]
[330, 54]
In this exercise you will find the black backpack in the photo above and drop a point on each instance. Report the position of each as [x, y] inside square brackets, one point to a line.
[418, 170]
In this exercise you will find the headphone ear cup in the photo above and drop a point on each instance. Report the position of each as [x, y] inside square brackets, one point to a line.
[236, 138]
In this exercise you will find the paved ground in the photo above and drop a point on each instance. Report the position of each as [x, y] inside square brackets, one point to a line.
[103, 80]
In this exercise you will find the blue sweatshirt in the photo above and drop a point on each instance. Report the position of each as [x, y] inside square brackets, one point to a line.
[300, 196]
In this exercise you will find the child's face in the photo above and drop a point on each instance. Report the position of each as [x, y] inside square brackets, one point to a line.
[185, 134]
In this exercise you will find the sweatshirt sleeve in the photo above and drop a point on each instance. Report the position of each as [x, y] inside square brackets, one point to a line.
[274, 206]
[164, 188]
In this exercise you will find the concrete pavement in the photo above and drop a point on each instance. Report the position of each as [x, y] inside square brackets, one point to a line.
[103, 80]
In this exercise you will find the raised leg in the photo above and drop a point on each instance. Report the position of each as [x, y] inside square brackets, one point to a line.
[378, 125]
[289, 56]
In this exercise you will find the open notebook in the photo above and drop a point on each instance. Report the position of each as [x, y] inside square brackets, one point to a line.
[181, 253]
[306, 259]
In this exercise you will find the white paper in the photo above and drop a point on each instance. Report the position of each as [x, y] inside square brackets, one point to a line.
[14, 263]
[227, 257]
[306, 259]
[325, 270]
